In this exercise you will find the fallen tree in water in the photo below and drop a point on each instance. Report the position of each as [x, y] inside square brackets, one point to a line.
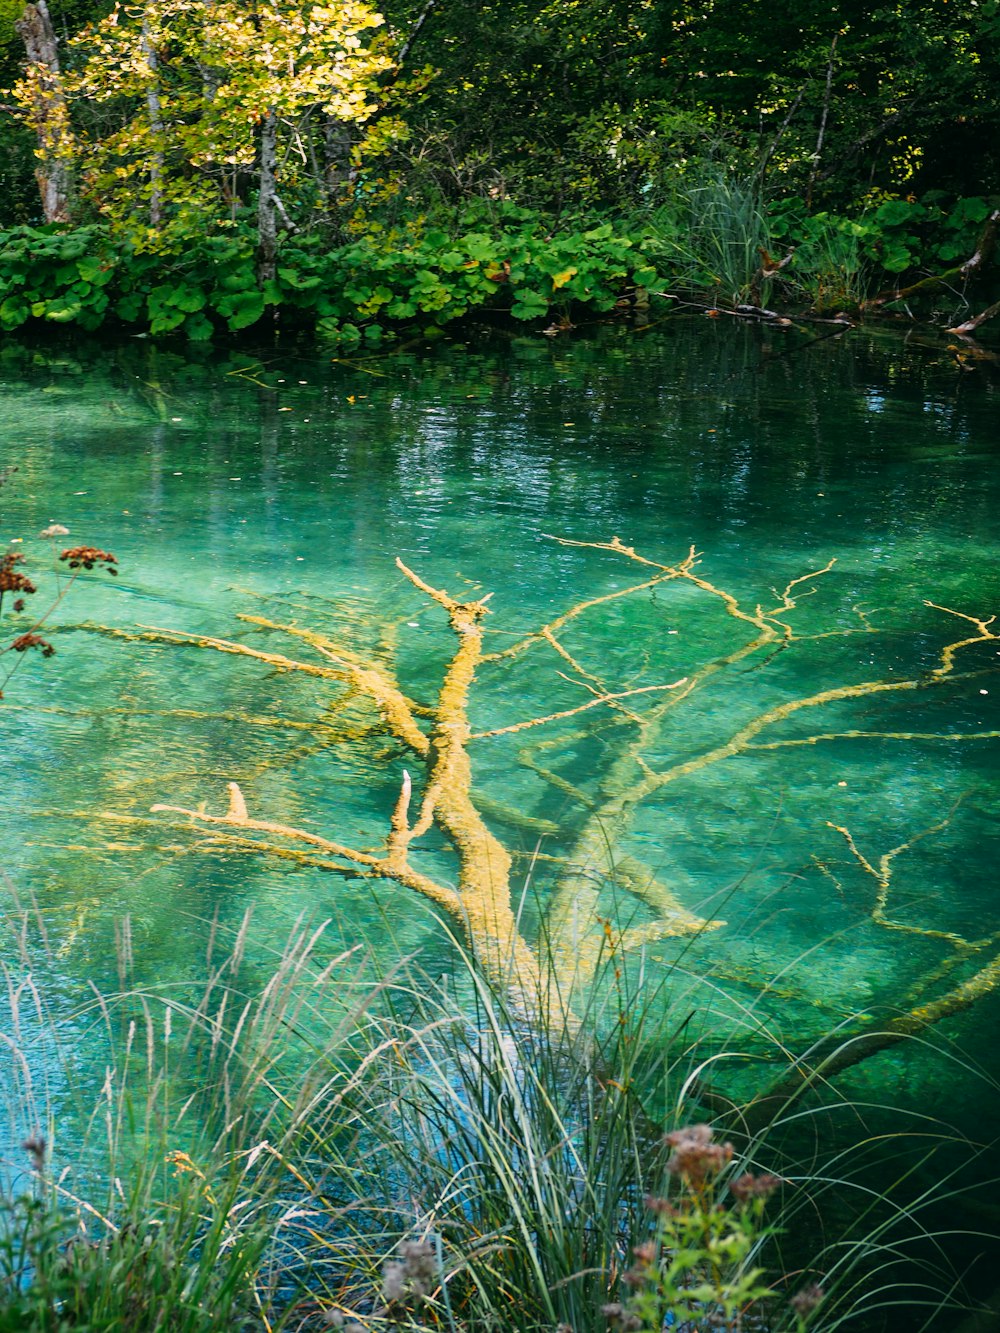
[634, 723]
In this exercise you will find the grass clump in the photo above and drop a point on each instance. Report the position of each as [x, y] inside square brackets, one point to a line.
[171, 1262]
[298, 1143]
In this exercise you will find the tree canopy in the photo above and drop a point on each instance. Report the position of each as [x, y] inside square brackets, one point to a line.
[555, 104]
[716, 140]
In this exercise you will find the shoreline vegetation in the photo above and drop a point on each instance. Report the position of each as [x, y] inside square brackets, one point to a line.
[509, 264]
[301, 1143]
[195, 170]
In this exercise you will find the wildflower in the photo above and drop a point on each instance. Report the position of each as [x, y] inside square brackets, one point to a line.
[88, 557]
[335, 1319]
[749, 1186]
[410, 1279]
[806, 1300]
[645, 1253]
[54, 530]
[645, 1257]
[695, 1156]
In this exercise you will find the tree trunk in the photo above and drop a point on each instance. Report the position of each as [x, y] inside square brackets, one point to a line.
[48, 114]
[156, 126]
[267, 201]
[337, 158]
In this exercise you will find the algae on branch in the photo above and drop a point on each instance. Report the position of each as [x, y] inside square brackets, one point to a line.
[636, 728]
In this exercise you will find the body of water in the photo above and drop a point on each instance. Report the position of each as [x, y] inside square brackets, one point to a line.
[842, 498]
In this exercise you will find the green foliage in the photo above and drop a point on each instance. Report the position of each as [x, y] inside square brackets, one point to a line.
[698, 117]
[362, 289]
[177, 1263]
[715, 237]
[698, 1267]
[839, 261]
[55, 275]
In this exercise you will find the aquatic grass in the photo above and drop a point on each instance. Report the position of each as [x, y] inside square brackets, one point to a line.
[720, 235]
[523, 1158]
[153, 1203]
[525, 1152]
[299, 1141]
[714, 235]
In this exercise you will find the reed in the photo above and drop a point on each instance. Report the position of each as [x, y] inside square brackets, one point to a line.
[714, 234]
[297, 1142]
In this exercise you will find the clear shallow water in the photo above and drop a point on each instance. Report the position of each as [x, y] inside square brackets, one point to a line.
[287, 487]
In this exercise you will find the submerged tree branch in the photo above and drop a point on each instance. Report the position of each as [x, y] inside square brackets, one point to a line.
[436, 790]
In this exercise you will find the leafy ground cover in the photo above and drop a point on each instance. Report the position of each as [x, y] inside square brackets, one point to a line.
[726, 249]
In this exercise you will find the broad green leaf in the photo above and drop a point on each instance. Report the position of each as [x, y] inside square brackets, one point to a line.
[246, 311]
[198, 328]
[13, 312]
[167, 320]
[128, 307]
[188, 298]
[644, 277]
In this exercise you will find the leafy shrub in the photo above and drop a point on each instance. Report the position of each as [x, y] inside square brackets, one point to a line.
[361, 289]
[839, 259]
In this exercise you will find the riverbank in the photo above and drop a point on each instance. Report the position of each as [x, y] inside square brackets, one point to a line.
[728, 252]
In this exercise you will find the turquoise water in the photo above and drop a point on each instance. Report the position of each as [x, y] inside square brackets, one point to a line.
[286, 485]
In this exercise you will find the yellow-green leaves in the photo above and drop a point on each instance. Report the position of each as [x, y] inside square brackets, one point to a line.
[190, 81]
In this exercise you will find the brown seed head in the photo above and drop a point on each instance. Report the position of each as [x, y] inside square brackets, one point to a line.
[806, 1300]
[754, 1187]
[26, 641]
[695, 1156]
[36, 1146]
[87, 557]
[11, 580]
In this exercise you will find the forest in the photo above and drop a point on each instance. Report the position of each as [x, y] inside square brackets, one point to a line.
[196, 168]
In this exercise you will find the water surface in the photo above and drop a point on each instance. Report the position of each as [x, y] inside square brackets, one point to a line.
[286, 485]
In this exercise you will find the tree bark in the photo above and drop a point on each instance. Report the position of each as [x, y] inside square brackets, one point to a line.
[818, 152]
[267, 200]
[970, 325]
[48, 114]
[156, 126]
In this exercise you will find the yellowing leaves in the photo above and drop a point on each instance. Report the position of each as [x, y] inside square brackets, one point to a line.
[201, 75]
[561, 279]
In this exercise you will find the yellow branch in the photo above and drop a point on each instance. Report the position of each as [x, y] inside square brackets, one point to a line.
[237, 818]
[573, 712]
[739, 742]
[877, 735]
[882, 874]
[370, 680]
[948, 653]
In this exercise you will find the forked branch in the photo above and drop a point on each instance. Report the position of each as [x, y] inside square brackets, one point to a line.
[635, 726]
